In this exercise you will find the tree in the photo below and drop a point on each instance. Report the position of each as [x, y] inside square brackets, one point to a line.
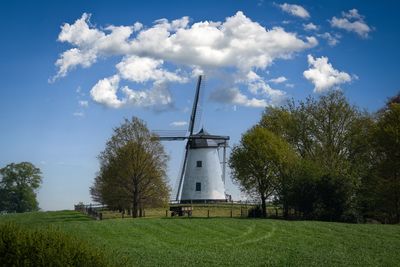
[387, 164]
[332, 135]
[132, 170]
[303, 190]
[18, 186]
[258, 162]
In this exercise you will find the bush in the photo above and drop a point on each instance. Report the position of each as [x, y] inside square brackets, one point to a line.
[49, 247]
[255, 212]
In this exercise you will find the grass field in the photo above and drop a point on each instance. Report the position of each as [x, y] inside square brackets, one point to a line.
[227, 241]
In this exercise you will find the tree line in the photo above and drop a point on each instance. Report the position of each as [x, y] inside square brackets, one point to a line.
[323, 159]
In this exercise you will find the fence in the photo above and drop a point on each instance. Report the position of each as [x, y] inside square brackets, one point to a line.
[237, 209]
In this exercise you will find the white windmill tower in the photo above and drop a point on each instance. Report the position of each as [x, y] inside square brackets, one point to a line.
[202, 178]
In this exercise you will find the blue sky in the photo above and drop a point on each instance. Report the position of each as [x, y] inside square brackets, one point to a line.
[72, 70]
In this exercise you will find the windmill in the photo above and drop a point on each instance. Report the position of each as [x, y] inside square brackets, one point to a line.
[201, 178]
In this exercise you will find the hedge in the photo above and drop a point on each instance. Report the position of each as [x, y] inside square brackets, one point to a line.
[45, 247]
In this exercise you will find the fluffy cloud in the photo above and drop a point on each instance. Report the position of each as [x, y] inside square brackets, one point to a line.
[178, 123]
[256, 85]
[143, 69]
[237, 43]
[158, 97]
[310, 27]
[106, 92]
[234, 96]
[332, 39]
[280, 79]
[323, 75]
[352, 21]
[295, 10]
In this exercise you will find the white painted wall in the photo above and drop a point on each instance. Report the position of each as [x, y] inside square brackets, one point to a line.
[209, 175]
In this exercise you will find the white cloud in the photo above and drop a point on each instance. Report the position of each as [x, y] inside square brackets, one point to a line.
[352, 21]
[295, 10]
[238, 44]
[234, 96]
[158, 97]
[143, 69]
[280, 79]
[256, 85]
[105, 92]
[137, 26]
[72, 58]
[289, 85]
[352, 14]
[310, 27]
[332, 39]
[83, 103]
[78, 114]
[323, 75]
[178, 123]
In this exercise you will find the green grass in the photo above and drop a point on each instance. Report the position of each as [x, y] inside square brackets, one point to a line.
[226, 241]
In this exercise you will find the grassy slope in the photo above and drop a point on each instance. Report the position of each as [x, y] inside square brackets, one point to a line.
[226, 241]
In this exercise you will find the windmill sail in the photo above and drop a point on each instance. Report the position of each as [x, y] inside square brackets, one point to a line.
[191, 128]
[182, 174]
[170, 135]
[200, 107]
[195, 106]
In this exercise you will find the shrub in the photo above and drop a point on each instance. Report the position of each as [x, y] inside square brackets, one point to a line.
[255, 212]
[45, 247]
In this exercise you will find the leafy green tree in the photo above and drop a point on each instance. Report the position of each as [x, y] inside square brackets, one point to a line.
[387, 164]
[334, 136]
[303, 192]
[133, 170]
[18, 186]
[259, 162]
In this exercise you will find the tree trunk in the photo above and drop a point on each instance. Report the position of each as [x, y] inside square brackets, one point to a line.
[285, 210]
[135, 200]
[263, 207]
[134, 209]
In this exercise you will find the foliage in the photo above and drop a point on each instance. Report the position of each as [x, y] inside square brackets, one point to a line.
[22, 247]
[228, 242]
[255, 212]
[259, 161]
[133, 170]
[384, 182]
[332, 138]
[17, 187]
[303, 190]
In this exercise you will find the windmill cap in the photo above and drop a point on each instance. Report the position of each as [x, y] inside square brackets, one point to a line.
[202, 142]
[203, 132]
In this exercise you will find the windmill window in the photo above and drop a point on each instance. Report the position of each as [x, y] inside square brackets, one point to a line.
[199, 163]
[198, 186]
